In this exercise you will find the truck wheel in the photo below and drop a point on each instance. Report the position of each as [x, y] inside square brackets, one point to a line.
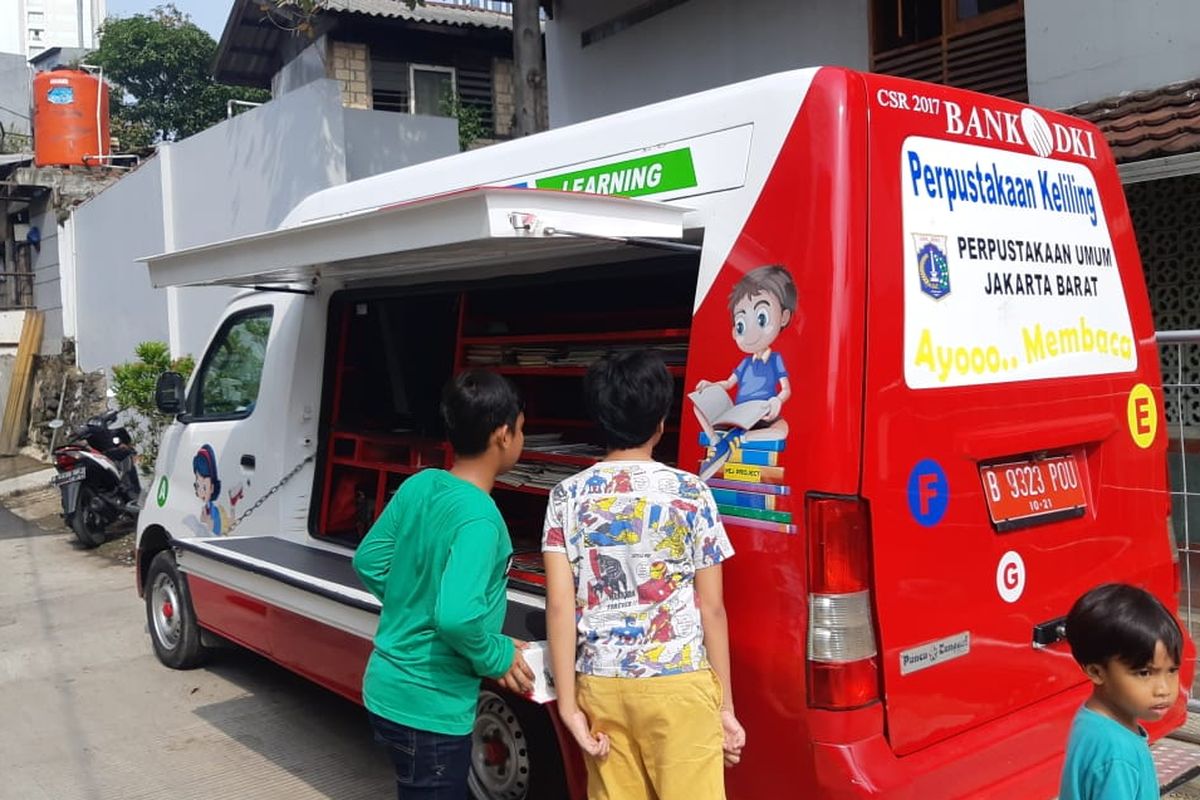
[87, 524]
[170, 616]
[515, 753]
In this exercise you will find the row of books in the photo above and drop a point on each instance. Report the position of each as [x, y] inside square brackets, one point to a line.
[569, 355]
[537, 474]
[553, 444]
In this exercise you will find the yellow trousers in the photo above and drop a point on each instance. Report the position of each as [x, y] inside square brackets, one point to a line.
[665, 735]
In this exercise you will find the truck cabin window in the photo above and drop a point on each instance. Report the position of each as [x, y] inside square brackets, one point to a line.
[232, 370]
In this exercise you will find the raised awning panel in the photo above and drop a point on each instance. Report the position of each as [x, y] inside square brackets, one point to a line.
[486, 230]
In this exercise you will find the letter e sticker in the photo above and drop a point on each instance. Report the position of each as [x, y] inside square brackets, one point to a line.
[928, 492]
[1010, 577]
[1142, 411]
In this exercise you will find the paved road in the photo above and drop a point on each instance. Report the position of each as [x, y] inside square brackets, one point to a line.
[87, 711]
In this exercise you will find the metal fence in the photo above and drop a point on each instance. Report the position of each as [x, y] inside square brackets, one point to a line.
[16, 290]
[1180, 355]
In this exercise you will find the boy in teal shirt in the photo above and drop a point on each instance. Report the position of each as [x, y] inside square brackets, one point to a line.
[1129, 645]
[437, 558]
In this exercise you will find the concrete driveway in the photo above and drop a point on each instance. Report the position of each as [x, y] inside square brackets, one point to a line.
[88, 713]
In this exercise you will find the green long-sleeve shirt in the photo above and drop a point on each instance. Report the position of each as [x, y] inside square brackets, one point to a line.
[437, 559]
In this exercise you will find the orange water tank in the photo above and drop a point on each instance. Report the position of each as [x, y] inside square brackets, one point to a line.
[70, 118]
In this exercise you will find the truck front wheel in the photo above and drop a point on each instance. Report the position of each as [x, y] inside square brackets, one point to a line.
[170, 616]
[514, 754]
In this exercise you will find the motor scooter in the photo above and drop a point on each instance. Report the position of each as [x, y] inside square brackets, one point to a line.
[97, 475]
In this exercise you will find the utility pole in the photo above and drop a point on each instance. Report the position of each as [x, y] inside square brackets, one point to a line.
[529, 80]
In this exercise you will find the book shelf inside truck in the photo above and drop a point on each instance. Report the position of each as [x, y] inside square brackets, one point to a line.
[392, 354]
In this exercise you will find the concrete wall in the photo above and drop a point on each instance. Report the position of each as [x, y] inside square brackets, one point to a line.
[310, 65]
[116, 306]
[378, 141]
[236, 178]
[694, 46]
[243, 176]
[1081, 50]
[47, 288]
[14, 93]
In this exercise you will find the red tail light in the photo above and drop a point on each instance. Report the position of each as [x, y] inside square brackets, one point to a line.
[64, 461]
[843, 668]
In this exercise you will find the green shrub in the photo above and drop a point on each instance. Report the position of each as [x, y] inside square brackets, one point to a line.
[134, 383]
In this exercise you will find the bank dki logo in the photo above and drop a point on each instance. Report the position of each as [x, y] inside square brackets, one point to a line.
[932, 265]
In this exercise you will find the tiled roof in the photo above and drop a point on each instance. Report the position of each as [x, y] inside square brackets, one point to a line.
[432, 12]
[1148, 124]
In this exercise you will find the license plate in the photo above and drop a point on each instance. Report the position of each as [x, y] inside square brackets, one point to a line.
[77, 474]
[1033, 491]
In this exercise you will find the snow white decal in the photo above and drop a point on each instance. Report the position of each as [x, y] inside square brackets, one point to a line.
[214, 519]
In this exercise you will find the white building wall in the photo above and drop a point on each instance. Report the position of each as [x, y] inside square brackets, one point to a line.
[239, 177]
[1081, 50]
[12, 31]
[30, 26]
[694, 46]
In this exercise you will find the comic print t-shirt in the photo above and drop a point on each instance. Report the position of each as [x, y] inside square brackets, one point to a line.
[635, 533]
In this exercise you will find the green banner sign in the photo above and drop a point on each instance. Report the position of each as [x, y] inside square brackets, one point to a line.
[662, 172]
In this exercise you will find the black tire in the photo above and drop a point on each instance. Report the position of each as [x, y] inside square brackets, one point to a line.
[515, 754]
[170, 617]
[87, 524]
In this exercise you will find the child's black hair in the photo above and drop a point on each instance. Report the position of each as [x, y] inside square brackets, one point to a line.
[628, 394]
[1122, 622]
[474, 404]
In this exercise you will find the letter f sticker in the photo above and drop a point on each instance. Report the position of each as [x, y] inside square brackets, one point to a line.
[928, 493]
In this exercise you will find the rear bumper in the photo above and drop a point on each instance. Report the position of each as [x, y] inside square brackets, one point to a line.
[1017, 756]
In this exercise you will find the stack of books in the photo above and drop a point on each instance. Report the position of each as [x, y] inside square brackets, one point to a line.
[749, 487]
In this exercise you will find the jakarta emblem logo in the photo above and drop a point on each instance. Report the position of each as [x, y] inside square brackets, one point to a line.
[932, 265]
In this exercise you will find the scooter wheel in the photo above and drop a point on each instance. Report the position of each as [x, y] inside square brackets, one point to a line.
[87, 524]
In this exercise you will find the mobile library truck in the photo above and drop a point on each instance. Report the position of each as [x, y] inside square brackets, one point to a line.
[915, 363]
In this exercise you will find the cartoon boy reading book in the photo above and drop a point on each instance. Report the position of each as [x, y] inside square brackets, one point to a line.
[762, 304]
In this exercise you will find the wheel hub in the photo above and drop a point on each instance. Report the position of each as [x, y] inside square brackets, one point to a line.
[164, 599]
[500, 765]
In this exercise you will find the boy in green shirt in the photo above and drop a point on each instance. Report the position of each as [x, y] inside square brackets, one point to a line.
[437, 558]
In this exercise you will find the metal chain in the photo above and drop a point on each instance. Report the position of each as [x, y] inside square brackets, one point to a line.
[258, 503]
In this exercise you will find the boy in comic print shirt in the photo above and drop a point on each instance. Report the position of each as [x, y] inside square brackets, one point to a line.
[633, 550]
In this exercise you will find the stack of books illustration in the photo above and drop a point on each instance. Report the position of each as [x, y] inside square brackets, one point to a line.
[742, 465]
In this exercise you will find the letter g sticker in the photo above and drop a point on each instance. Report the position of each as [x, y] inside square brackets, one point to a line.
[1010, 577]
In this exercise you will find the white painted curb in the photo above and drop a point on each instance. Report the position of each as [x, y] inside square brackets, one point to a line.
[24, 483]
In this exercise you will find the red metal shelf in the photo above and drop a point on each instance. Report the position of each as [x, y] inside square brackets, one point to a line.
[664, 334]
[377, 466]
[557, 372]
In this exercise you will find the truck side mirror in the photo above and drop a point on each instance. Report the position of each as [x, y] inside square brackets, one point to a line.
[169, 394]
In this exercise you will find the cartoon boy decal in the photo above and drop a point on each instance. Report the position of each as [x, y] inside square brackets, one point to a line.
[208, 491]
[762, 304]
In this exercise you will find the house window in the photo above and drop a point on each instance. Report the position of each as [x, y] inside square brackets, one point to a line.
[398, 85]
[971, 44]
[428, 89]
